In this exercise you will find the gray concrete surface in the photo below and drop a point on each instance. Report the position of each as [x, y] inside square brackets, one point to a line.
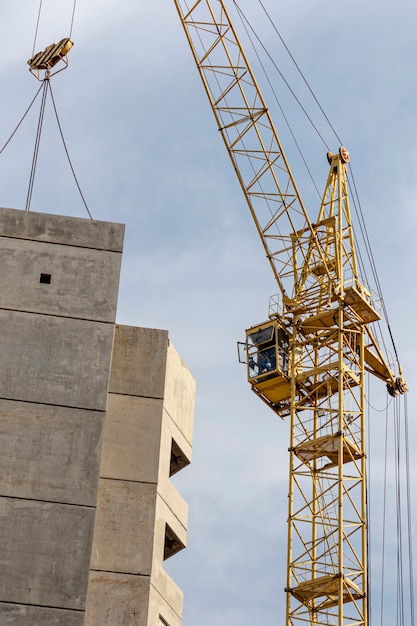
[81, 279]
[56, 335]
[117, 599]
[54, 360]
[150, 404]
[44, 552]
[49, 452]
[59, 229]
[139, 362]
[22, 615]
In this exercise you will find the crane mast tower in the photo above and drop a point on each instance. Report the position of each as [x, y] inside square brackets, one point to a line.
[308, 360]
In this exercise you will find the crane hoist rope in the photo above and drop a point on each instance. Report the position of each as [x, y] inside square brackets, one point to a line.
[248, 26]
[39, 18]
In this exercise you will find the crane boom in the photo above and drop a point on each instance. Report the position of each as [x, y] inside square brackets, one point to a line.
[308, 361]
[248, 132]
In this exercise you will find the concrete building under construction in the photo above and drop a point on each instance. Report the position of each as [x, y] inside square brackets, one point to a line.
[94, 419]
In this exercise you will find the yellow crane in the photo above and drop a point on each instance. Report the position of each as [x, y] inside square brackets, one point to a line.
[308, 360]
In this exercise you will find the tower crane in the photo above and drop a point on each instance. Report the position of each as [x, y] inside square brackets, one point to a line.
[309, 359]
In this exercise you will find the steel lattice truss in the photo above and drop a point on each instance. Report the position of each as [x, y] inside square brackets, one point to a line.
[327, 511]
[248, 132]
[308, 361]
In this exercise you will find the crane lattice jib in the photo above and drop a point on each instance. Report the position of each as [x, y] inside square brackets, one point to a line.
[249, 135]
[308, 363]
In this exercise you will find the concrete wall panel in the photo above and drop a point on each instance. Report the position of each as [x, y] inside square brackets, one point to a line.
[49, 453]
[44, 553]
[21, 615]
[173, 432]
[131, 446]
[179, 395]
[68, 362]
[123, 534]
[83, 282]
[169, 607]
[61, 229]
[139, 362]
[117, 600]
[177, 520]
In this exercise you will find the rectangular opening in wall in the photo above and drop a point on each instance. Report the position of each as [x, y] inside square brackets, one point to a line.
[178, 459]
[162, 622]
[172, 543]
[45, 279]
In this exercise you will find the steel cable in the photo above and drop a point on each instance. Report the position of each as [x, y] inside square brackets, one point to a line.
[37, 27]
[38, 22]
[23, 117]
[67, 153]
[37, 143]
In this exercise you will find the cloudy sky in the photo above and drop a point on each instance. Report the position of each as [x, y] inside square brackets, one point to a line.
[146, 152]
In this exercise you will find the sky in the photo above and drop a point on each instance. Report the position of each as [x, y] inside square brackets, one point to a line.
[146, 152]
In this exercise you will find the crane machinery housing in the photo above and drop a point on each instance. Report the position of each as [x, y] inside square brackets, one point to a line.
[309, 359]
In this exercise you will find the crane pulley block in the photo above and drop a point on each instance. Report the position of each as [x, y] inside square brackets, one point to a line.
[48, 58]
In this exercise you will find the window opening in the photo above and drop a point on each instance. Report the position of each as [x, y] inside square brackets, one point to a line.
[45, 279]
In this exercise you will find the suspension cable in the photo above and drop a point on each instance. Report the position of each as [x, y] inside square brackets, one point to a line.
[245, 20]
[67, 153]
[384, 518]
[367, 243]
[45, 87]
[37, 27]
[72, 18]
[300, 72]
[38, 22]
[409, 516]
[37, 143]
[23, 117]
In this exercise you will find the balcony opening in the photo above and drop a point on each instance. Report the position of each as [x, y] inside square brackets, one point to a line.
[178, 459]
[172, 543]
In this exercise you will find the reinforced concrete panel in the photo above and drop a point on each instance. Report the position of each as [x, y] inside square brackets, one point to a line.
[123, 534]
[118, 599]
[49, 452]
[22, 615]
[179, 393]
[67, 363]
[139, 362]
[45, 550]
[131, 446]
[69, 231]
[169, 609]
[58, 280]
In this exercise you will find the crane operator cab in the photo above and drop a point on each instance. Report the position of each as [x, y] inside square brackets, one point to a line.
[266, 354]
